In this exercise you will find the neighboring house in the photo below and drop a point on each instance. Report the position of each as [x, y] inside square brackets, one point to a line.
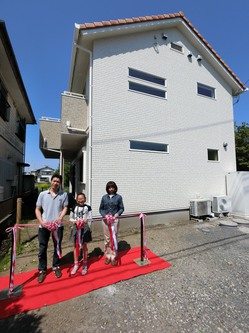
[43, 175]
[150, 106]
[15, 114]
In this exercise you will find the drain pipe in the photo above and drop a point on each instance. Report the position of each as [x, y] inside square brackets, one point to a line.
[89, 119]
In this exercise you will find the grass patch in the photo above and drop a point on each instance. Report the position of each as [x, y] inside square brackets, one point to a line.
[4, 263]
[42, 186]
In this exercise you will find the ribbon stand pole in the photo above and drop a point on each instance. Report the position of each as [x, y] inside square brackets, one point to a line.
[142, 261]
[12, 291]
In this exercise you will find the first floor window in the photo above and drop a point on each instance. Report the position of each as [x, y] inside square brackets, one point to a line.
[148, 146]
[213, 155]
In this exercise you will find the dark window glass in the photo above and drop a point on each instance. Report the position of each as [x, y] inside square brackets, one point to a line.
[205, 90]
[213, 155]
[4, 105]
[146, 76]
[147, 90]
[151, 146]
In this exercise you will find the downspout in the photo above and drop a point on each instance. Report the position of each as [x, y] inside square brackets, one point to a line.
[89, 119]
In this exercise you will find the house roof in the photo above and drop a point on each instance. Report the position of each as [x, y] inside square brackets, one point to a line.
[12, 76]
[176, 18]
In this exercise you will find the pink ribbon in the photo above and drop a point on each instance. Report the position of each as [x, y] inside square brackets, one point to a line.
[53, 227]
[80, 225]
[113, 237]
[13, 258]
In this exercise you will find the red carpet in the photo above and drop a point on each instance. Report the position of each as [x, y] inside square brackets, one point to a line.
[52, 290]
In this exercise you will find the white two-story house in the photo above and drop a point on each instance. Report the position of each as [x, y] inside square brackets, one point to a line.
[150, 106]
[15, 114]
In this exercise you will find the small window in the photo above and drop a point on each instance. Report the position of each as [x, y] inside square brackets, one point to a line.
[148, 146]
[146, 89]
[146, 76]
[176, 47]
[213, 155]
[205, 90]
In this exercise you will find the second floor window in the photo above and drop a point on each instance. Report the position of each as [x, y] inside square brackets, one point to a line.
[205, 90]
[147, 83]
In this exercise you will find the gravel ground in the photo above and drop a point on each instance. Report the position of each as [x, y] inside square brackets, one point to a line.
[206, 290]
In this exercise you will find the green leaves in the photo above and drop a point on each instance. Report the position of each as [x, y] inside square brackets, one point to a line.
[242, 146]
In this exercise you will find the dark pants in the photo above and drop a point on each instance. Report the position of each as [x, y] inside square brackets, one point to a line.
[43, 237]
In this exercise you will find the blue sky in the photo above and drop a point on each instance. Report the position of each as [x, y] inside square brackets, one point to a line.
[41, 34]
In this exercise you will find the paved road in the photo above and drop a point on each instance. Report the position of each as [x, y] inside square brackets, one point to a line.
[206, 290]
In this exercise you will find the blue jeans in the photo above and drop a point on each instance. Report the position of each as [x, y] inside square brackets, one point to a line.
[43, 237]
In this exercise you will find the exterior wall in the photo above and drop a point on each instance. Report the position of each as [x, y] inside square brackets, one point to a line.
[11, 152]
[189, 123]
[73, 109]
[50, 132]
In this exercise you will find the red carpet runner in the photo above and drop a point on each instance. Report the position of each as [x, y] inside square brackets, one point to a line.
[52, 290]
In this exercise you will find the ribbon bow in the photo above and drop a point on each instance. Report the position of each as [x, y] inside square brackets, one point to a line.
[110, 219]
[80, 224]
[51, 226]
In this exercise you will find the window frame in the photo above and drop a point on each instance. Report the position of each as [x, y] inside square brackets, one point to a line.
[146, 83]
[214, 151]
[140, 144]
[207, 88]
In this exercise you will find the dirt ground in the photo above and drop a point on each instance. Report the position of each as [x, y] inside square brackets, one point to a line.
[28, 259]
[205, 290]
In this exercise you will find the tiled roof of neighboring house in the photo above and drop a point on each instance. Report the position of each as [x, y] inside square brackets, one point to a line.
[133, 20]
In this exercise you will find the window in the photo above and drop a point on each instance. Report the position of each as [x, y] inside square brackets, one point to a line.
[20, 129]
[176, 47]
[205, 90]
[147, 83]
[148, 146]
[146, 89]
[146, 76]
[4, 105]
[213, 155]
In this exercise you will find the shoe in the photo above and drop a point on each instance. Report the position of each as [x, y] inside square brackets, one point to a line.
[84, 270]
[114, 263]
[74, 270]
[41, 276]
[107, 262]
[57, 272]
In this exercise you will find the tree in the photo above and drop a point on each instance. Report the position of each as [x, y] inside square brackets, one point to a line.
[242, 146]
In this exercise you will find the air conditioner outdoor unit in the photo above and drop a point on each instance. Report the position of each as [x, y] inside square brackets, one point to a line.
[221, 204]
[200, 207]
